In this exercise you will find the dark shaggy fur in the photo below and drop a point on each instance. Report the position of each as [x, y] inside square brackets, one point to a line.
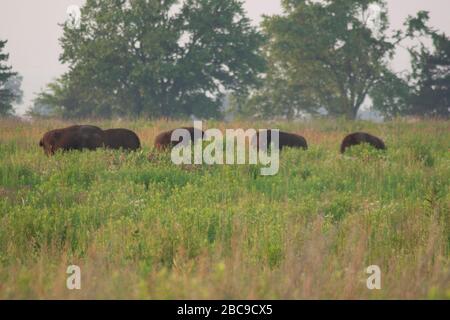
[163, 140]
[286, 139]
[72, 138]
[121, 138]
[362, 137]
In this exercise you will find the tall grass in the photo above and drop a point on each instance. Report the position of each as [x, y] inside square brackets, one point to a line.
[150, 229]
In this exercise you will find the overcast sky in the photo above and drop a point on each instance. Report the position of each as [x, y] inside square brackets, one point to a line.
[31, 28]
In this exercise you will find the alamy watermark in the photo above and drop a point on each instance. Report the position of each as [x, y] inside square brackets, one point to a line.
[73, 281]
[238, 146]
[374, 280]
[73, 16]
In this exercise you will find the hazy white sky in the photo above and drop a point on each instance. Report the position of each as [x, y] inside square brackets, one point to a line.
[31, 28]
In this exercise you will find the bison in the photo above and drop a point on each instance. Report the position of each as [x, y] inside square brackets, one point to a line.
[76, 137]
[163, 140]
[286, 139]
[121, 138]
[362, 137]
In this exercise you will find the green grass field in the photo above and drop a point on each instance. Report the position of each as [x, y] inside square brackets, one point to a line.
[153, 230]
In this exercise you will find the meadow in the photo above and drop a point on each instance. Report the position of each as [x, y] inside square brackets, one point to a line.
[143, 229]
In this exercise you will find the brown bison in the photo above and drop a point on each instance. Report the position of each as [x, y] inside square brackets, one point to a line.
[121, 138]
[163, 140]
[362, 137]
[76, 137]
[286, 139]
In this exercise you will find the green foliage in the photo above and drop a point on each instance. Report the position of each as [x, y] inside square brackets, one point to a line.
[392, 95]
[155, 58]
[9, 93]
[431, 77]
[150, 229]
[426, 90]
[326, 54]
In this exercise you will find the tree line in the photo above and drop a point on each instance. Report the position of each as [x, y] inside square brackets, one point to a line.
[10, 83]
[175, 59]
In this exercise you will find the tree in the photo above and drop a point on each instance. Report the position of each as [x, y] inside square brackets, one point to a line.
[72, 97]
[14, 85]
[40, 110]
[392, 96]
[425, 91]
[328, 54]
[431, 78]
[155, 57]
[9, 93]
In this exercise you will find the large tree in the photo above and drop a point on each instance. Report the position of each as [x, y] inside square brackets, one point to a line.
[9, 93]
[324, 55]
[155, 57]
[425, 90]
[431, 77]
[14, 85]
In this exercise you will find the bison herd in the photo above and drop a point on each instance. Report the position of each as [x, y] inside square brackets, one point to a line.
[80, 137]
[89, 137]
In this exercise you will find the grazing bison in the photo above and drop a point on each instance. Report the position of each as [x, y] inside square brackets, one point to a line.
[286, 139]
[163, 140]
[121, 138]
[362, 137]
[72, 138]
